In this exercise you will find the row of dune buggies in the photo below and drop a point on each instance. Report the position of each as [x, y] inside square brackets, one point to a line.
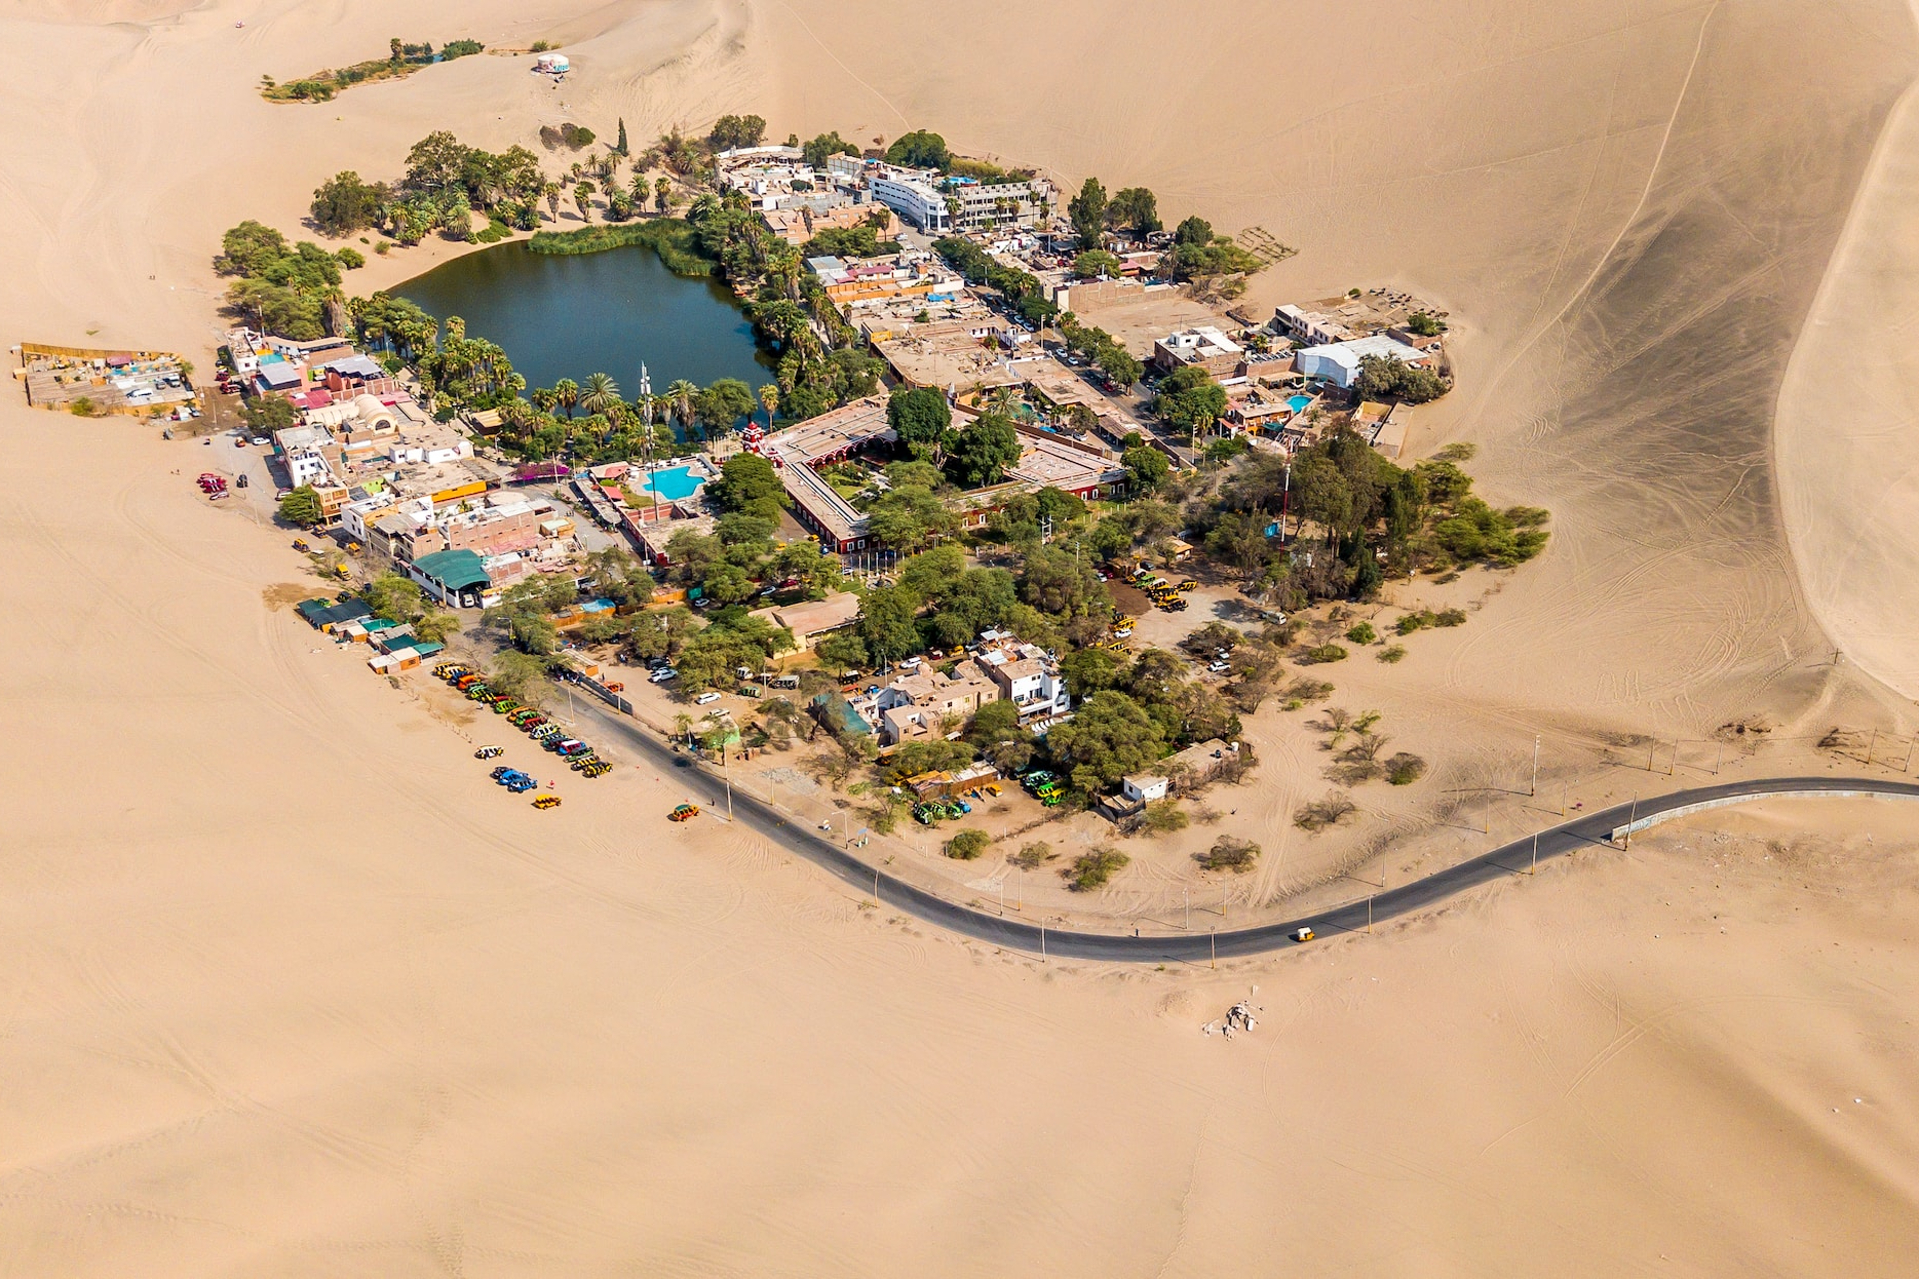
[579, 756]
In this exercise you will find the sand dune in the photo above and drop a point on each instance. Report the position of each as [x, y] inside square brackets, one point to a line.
[288, 989]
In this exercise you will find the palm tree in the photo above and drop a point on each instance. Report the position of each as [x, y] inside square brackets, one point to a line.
[544, 399]
[683, 726]
[663, 193]
[552, 193]
[600, 394]
[680, 394]
[583, 198]
[770, 401]
[566, 394]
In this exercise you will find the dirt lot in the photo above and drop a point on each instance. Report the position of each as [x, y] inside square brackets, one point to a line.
[1136, 324]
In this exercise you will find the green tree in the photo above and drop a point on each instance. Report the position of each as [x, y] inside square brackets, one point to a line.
[1062, 585]
[1189, 398]
[724, 403]
[344, 204]
[733, 131]
[1118, 364]
[920, 417]
[986, 447]
[1194, 230]
[394, 597]
[748, 483]
[1094, 263]
[521, 676]
[888, 624]
[908, 519]
[1146, 468]
[919, 149]
[815, 153]
[301, 507]
[1111, 736]
[1088, 212]
[600, 394]
[1134, 209]
[1090, 670]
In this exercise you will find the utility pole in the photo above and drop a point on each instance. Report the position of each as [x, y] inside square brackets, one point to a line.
[1870, 743]
[1535, 869]
[1630, 821]
[1535, 786]
[1187, 893]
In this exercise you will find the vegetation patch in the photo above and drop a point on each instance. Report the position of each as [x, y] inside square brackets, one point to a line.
[1321, 813]
[402, 60]
[1230, 854]
[1090, 872]
[967, 845]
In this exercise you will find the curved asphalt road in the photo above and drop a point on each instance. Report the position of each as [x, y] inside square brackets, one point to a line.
[1586, 831]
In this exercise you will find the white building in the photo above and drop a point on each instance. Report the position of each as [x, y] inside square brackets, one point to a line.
[1338, 362]
[911, 193]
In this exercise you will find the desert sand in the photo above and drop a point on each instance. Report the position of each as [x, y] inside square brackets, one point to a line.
[288, 989]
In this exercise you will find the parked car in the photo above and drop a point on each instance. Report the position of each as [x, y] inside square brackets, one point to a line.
[662, 675]
[489, 752]
[705, 699]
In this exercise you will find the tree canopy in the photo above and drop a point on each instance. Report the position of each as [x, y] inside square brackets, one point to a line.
[1088, 212]
[732, 131]
[920, 149]
[1134, 209]
[1189, 398]
[748, 483]
[985, 448]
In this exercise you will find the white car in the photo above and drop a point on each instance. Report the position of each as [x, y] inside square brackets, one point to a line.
[1220, 668]
[662, 675]
[705, 699]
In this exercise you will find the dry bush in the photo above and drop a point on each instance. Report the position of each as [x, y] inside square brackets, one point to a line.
[1090, 871]
[1165, 816]
[1322, 813]
[1404, 769]
[1034, 855]
[1228, 853]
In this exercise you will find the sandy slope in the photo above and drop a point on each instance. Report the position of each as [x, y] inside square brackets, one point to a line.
[285, 988]
[1848, 432]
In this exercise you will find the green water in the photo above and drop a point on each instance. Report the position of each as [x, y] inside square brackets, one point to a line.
[558, 316]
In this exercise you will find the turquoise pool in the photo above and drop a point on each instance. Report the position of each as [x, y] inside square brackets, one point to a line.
[1298, 403]
[673, 482]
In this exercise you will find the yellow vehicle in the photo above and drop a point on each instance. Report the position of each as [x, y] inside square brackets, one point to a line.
[546, 801]
[683, 813]
[1187, 585]
[354, 548]
[1303, 934]
[340, 571]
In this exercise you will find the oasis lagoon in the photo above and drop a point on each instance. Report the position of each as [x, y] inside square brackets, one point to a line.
[573, 315]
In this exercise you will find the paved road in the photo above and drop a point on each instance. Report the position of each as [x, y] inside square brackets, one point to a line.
[1591, 830]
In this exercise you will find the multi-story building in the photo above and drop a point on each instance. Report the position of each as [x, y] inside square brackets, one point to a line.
[912, 194]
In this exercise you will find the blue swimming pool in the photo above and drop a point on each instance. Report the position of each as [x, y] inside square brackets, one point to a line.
[1298, 403]
[672, 482]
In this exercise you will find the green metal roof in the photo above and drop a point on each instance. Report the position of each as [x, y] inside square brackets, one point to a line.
[456, 570]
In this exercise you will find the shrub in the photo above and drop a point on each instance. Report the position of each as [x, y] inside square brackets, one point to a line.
[1404, 769]
[1322, 813]
[967, 845]
[350, 258]
[1228, 853]
[1033, 856]
[1392, 653]
[1450, 617]
[1165, 816]
[1090, 871]
[1363, 634]
[1413, 621]
[1323, 654]
[83, 407]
